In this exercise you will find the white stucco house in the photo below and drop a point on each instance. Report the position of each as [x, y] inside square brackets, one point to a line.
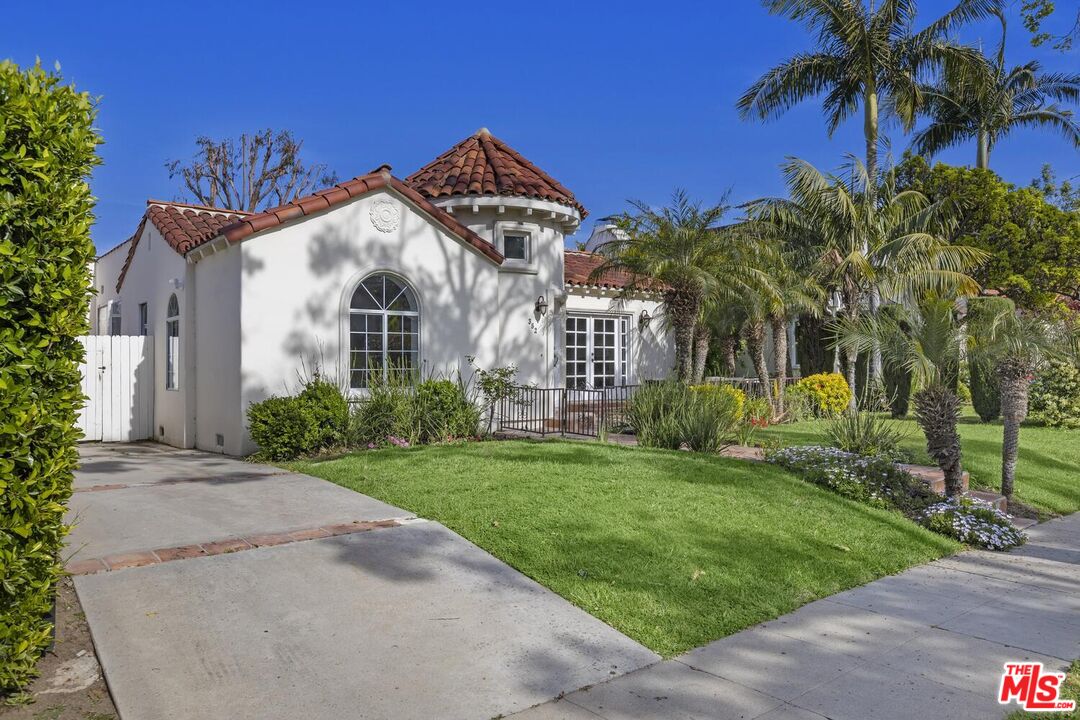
[464, 257]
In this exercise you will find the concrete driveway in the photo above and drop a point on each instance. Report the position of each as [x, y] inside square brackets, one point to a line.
[218, 588]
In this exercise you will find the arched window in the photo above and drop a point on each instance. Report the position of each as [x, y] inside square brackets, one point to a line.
[384, 329]
[172, 344]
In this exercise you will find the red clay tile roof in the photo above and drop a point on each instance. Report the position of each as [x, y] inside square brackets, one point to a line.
[345, 191]
[184, 226]
[484, 165]
[579, 265]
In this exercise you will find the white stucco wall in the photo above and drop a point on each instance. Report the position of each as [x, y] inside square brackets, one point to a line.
[652, 351]
[216, 349]
[526, 340]
[297, 281]
[155, 270]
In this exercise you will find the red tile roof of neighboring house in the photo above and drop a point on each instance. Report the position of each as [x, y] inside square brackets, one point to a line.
[578, 267]
[484, 165]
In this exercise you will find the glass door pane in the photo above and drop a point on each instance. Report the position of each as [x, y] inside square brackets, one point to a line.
[577, 352]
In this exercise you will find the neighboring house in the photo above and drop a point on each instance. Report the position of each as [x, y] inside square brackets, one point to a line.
[463, 258]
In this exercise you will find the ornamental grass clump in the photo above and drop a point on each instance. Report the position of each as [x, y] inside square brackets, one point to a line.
[974, 522]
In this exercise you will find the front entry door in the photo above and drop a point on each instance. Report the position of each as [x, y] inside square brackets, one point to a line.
[596, 348]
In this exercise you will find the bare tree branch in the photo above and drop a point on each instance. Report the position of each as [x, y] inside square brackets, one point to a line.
[252, 173]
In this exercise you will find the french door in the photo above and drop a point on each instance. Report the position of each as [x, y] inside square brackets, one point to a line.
[597, 348]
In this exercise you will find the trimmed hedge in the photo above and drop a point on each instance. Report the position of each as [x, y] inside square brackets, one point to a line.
[985, 393]
[47, 149]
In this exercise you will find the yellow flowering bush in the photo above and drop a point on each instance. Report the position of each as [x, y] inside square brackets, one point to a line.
[829, 391]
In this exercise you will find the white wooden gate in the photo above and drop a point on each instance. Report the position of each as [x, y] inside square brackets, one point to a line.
[118, 381]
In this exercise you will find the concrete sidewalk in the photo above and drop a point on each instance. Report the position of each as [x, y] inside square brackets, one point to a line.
[272, 595]
[928, 643]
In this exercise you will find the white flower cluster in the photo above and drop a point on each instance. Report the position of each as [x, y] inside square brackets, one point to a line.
[974, 522]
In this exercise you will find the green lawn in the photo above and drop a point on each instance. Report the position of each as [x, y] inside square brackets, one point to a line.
[1047, 473]
[672, 548]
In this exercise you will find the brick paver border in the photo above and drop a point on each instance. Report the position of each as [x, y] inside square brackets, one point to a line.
[141, 558]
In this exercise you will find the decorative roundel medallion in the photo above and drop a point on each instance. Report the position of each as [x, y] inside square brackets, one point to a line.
[384, 216]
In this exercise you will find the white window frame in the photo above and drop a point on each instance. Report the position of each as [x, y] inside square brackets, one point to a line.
[623, 348]
[172, 344]
[385, 315]
[531, 231]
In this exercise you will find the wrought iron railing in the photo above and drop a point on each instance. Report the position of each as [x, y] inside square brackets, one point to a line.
[587, 412]
[751, 386]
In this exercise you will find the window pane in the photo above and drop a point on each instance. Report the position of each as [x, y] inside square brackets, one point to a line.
[515, 247]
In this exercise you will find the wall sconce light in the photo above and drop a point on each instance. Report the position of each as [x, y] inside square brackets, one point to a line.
[645, 318]
[541, 306]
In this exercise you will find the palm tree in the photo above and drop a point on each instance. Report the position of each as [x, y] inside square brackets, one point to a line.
[864, 56]
[682, 252]
[867, 237]
[985, 101]
[868, 57]
[1015, 346]
[924, 339]
[797, 293]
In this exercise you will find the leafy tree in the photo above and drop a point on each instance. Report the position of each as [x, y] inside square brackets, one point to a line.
[684, 251]
[1035, 12]
[923, 339]
[261, 170]
[886, 240]
[1063, 195]
[48, 147]
[1033, 246]
[985, 101]
[1016, 347]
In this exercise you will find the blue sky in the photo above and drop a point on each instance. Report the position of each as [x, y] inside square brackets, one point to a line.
[616, 101]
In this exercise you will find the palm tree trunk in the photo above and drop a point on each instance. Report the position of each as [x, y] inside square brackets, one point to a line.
[937, 410]
[982, 151]
[1013, 381]
[702, 336]
[755, 344]
[852, 357]
[779, 333]
[683, 309]
[728, 345]
[870, 132]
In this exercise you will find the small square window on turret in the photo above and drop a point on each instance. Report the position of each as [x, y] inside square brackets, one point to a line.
[516, 246]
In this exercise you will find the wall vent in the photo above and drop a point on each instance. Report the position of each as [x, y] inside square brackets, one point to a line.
[219, 439]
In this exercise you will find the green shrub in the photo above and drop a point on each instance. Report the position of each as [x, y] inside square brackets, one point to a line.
[721, 389]
[47, 150]
[830, 392]
[387, 411]
[1055, 395]
[444, 412]
[283, 427]
[800, 403]
[868, 434]
[983, 383]
[671, 415]
[329, 410]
